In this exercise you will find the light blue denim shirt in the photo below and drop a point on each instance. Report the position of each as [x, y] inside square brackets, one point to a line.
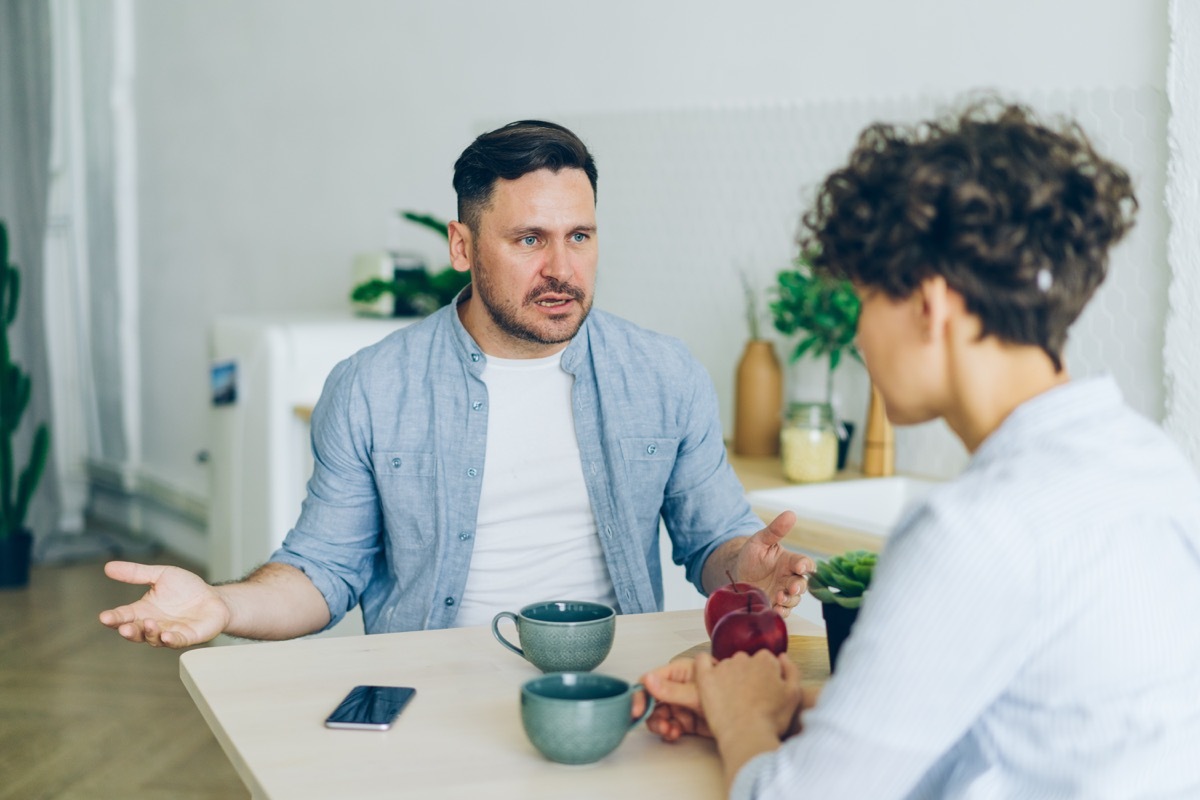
[398, 439]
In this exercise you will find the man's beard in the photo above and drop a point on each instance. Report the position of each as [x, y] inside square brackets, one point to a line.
[507, 317]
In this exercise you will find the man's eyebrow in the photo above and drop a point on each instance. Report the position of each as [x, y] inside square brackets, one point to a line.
[526, 230]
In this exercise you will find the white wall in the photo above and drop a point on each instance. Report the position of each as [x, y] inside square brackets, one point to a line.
[277, 138]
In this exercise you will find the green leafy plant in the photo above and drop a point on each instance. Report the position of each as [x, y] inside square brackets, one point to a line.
[417, 291]
[15, 388]
[824, 312]
[843, 580]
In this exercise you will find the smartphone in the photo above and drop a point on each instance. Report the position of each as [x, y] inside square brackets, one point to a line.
[370, 708]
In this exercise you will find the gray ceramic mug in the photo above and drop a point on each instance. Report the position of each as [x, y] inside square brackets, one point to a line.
[561, 635]
[579, 717]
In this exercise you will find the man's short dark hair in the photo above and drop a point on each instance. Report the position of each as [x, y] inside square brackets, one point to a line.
[510, 152]
[1017, 216]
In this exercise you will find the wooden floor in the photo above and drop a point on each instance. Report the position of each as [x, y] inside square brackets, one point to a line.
[85, 714]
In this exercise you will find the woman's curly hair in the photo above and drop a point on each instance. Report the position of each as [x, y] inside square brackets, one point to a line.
[1018, 217]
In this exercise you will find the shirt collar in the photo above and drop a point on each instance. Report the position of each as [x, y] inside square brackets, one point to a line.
[1047, 412]
[475, 357]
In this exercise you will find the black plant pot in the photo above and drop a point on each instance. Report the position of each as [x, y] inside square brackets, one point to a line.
[838, 621]
[844, 443]
[15, 550]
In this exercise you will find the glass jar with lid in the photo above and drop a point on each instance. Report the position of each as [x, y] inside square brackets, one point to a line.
[809, 443]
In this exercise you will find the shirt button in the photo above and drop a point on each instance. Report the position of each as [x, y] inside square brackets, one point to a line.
[474, 356]
[652, 448]
[477, 405]
[449, 601]
[464, 536]
[472, 472]
[395, 463]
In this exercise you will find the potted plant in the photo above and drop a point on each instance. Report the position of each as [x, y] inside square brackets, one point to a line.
[824, 313]
[16, 541]
[416, 291]
[840, 584]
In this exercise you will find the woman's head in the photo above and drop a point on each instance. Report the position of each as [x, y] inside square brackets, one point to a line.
[1015, 215]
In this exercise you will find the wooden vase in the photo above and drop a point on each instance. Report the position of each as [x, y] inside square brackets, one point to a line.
[758, 401]
[879, 442]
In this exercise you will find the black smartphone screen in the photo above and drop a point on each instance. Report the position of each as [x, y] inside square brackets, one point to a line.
[370, 707]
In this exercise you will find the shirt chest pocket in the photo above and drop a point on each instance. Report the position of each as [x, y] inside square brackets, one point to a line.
[648, 464]
[407, 483]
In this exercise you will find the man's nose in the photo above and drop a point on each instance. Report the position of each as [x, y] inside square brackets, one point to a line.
[557, 263]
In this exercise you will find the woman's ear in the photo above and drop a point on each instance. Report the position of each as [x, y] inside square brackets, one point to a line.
[932, 305]
[460, 246]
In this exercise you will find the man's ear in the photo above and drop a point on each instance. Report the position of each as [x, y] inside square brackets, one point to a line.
[460, 246]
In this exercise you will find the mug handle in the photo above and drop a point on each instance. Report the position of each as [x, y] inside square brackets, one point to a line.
[649, 705]
[499, 638]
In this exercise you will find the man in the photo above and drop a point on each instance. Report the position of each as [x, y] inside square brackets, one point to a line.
[1029, 629]
[515, 446]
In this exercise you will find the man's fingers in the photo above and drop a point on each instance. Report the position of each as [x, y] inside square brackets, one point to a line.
[117, 616]
[779, 528]
[130, 572]
[131, 631]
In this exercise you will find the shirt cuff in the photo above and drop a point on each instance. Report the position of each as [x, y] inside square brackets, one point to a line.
[747, 777]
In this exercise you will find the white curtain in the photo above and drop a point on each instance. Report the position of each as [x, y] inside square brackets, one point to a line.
[25, 131]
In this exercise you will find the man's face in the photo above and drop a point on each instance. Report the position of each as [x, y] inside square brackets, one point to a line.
[533, 264]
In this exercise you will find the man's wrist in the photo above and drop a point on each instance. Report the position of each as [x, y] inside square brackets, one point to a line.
[722, 563]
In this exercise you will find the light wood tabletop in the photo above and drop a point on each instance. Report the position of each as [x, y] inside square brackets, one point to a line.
[460, 737]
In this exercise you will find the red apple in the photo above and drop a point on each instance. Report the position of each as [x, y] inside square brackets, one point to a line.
[730, 597]
[749, 630]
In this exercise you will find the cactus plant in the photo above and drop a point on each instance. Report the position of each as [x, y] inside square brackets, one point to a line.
[843, 580]
[15, 490]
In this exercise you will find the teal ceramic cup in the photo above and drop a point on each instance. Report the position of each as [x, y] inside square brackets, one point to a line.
[561, 635]
[579, 717]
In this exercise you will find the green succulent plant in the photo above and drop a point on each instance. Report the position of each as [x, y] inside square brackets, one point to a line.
[422, 292]
[843, 579]
[16, 490]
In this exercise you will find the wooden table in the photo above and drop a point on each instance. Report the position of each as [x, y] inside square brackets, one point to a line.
[461, 736]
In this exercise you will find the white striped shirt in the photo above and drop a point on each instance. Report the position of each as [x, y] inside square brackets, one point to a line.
[1032, 630]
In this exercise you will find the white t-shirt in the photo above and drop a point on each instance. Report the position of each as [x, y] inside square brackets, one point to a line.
[535, 535]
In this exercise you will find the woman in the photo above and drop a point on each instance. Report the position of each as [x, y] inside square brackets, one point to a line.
[1029, 631]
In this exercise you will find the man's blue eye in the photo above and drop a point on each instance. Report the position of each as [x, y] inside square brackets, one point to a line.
[530, 240]
[579, 237]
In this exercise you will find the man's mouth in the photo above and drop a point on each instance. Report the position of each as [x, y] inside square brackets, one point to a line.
[552, 302]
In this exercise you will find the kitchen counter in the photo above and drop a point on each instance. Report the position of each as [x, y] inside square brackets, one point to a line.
[807, 535]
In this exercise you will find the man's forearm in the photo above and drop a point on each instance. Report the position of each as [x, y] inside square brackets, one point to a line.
[276, 601]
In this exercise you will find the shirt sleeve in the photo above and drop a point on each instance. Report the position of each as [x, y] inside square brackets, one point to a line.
[704, 504]
[945, 628]
[336, 538]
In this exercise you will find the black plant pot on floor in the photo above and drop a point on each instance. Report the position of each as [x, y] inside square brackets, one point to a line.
[15, 550]
[838, 621]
